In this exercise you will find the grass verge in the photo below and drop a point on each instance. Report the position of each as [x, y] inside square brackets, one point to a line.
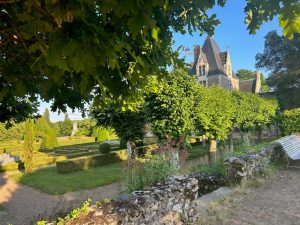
[197, 151]
[51, 182]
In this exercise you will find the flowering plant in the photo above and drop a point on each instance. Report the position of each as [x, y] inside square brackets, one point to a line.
[175, 149]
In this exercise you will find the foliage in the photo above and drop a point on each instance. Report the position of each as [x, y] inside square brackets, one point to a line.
[104, 148]
[65, 127]
[45, 132]
[170, 110]
[100, 134]
[215, 112]
[139, 175]
[281, 57]
[46, 115]
[288, 13]
[244, 74]
[14, 109]
[290, 121]
[91, 47]
[86, 126]
[65, 51]
[74, 213]
[252, 110]
[216, 167]
[28, 145]
[128, 125]
[87, 162]
[14, 132]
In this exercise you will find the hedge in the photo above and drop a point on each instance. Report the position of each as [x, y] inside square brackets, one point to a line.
[290, 121]
[9, 166]
[83, 163]
[81, 154]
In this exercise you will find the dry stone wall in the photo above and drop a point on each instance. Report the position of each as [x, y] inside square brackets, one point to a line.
[169, 202]
[242, 167]
[175, 201]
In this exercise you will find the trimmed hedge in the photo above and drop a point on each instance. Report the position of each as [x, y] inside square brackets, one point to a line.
[9, 166]
[81, 154]
[83, 163]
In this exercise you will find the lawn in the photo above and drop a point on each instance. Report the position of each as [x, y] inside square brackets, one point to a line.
[197, 151]
[49, 181]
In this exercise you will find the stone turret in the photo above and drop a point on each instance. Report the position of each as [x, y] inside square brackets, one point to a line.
[257, 82]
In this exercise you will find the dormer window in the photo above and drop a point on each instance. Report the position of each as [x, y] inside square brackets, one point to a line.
[202, 70]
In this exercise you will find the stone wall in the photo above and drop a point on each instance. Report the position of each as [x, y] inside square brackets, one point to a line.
[208, 182]
[241, 167]
[169, 202]
[176, 201]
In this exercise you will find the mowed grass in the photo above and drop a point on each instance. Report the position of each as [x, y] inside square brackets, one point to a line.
[197, 151]
[49, 181]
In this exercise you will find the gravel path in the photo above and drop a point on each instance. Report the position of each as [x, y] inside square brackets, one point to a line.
[21, 204]
[277, 202]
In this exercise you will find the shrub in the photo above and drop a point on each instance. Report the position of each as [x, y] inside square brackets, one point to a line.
[82, 163]
[28, 145]
[49, 140]
[101, 134]
[9, 167]
[104, 148]
[47, 133]
[139, 175]
[290, 121]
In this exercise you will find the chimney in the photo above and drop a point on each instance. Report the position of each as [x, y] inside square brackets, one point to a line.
[257, 82]
[196, 52]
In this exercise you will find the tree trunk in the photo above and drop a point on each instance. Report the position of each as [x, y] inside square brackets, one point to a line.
[174, 158]
[213, 146]
[203, 140]
[277, 129]
[231, 140]
[259, 131]
[212, 151]
[129, 150]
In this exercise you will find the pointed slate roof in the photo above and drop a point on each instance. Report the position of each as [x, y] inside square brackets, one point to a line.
[212, 52]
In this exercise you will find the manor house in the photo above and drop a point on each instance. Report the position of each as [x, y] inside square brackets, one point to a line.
[211, 66]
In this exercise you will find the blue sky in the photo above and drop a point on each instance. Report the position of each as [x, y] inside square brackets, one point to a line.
[231, 33]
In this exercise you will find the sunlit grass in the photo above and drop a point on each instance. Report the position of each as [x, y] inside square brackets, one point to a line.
[49, 181]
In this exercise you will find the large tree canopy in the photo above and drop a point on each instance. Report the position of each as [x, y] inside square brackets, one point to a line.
[281, 57]
[70, 51]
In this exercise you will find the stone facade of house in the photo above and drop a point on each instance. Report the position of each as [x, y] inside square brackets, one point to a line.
[211, 67]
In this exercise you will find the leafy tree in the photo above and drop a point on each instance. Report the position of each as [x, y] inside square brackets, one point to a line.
[253, 111]
[244, 74]
[129, 125]
[14, 132]
[290, 121]
[86, 126]
[45, 132]
[28, 145]
[46, 115]
[70, 51]
[214, 114]
[281, 58]
[262, 11]
[65, 127]
[170, 109]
